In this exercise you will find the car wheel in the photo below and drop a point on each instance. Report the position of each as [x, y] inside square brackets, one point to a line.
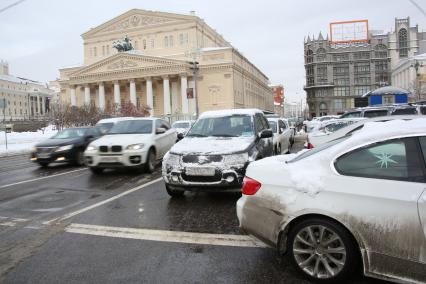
[79, 158]
[174, 192]
[43, 164]
[97, 171]
[323, 250]
[150, 161]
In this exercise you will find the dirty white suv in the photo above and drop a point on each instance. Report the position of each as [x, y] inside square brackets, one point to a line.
[134, 143]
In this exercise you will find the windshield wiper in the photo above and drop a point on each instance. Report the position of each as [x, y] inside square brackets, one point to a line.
[196, 135]
[224, 135]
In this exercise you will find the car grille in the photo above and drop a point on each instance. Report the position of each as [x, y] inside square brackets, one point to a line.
[45, 149]
[103, 149]
[216, 178]
[116, 148]
[201, 159]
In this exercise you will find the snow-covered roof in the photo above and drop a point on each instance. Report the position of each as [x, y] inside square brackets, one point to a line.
[388, 90]
[229, 112]
[215, 48]
[14, 79]
[134, 51]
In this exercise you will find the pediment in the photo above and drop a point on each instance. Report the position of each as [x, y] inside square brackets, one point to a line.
[135, 19]
[125, 61]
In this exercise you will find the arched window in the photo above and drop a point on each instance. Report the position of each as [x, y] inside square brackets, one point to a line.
[403, 43]
[309, 56]
[166, 41]
[171, 41]
[144, 43]
[321, 54]
[380, 51]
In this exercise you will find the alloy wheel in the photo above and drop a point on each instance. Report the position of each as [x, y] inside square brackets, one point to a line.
[319, 251]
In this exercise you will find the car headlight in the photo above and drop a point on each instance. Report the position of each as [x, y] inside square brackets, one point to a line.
[91, 148]
[64, 148]
[172, 160]
[236, 159]
[135, 146]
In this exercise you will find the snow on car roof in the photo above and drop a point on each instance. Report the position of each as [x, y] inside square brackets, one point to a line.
[229, 112]
[113, 119]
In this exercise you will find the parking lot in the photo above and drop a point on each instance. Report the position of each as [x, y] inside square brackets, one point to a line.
[63, 224]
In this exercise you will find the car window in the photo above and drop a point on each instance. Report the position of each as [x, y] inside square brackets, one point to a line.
[93, 132]
[402, 111]
[165, 124]
[181, 125]
[395, 159]
[265, 122]
[104, 127]
[132, 127]
[282, 124]
[273, 125]
[375, 113]
[423, 145]
[351, 114]
[319, 149]
[70, 133]
[259, 123]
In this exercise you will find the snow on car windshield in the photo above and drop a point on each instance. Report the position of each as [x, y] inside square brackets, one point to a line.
[132, 127]
[224, 126]
[70, 133]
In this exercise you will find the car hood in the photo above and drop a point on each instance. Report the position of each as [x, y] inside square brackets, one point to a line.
[121, 139]
[52, 142]
[212, 145]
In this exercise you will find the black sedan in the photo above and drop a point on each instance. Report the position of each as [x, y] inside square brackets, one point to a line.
[67, 146]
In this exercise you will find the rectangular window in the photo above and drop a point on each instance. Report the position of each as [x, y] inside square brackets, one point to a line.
[361, 68]
[341, 57]
[181, 39]
[338, 104]
[341, 91]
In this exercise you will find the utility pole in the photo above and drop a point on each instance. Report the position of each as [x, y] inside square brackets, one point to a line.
[194, 67]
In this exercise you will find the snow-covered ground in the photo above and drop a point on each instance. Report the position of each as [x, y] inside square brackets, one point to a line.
[22, 142]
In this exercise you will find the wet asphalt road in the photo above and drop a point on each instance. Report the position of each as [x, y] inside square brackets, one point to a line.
[63, 224]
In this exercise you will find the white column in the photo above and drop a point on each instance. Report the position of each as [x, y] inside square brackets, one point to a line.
[43, 105]
[73, 97]
[133, 92]
[101, 96]
[149, 95]
[87, 95]
[117, 98]
[183, 87]
[174, 94]
[166, 96]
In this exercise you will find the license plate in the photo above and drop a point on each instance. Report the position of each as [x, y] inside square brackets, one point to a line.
[43, 155]
[200, 171]
[109, 159]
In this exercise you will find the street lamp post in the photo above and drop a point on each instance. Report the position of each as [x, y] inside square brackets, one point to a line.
[194, 67]
[416, 66]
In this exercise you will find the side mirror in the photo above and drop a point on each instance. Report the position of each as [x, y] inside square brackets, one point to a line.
[180, 136]
[160, 130]
[267, 133]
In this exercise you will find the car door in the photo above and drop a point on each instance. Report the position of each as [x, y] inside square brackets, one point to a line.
[160, 139]
[263, 145]
[422, 199]
[170, 137]
[382, 184]
[285, 136]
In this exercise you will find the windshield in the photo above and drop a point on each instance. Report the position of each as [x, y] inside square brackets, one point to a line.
[351, 114]
[319, 149]
[224, 126]
[132, 127]
[70, 133]
[273, 125]
[180, 125]
[104, 127]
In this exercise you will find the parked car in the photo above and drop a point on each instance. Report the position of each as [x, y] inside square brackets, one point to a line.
[310, 125]
[105, 125]
[317, 140]
[282, 135]
[182, 127]
[404, 110]
[134, 143]
[216, 151]
[368, 112]
[355, 202]
[66, 146]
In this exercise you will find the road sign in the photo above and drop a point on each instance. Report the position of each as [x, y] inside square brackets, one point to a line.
[3, 103]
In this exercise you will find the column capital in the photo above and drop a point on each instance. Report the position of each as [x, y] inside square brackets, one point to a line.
[148, 78]
[116, 82]
[165, 77]
[183, 75]
[101, 83]
[132, 80]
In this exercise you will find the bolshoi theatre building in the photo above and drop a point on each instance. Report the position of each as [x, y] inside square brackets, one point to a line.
[157, 72]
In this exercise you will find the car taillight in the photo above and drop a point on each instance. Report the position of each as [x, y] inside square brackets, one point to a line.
[250, 186]
[310, 146]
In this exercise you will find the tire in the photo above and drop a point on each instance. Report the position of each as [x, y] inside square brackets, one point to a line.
[312, 256]
[149, 165]
[79, 158]
[43, 164]
[174, 193]
[96, 171]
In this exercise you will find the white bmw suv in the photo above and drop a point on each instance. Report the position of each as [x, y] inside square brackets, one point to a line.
[134, 143]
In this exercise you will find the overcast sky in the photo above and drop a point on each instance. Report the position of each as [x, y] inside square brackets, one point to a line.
[39, 36]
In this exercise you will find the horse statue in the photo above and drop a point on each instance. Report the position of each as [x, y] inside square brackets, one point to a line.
[124, 45]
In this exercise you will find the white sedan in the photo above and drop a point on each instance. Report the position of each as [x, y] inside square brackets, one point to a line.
[355, 202]
[133, 143]
[282, 135]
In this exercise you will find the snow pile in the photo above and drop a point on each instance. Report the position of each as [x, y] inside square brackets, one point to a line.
[211, 145]
[22, 142]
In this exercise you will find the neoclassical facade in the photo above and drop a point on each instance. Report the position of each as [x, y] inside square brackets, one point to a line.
[157, 73]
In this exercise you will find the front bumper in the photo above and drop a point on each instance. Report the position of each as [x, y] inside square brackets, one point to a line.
[53, 157]
[223, 179]
[117, 160]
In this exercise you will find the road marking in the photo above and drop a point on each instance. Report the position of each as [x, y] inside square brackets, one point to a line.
[72, 214]
[10, 221]
[166, 236]
[41, 178]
